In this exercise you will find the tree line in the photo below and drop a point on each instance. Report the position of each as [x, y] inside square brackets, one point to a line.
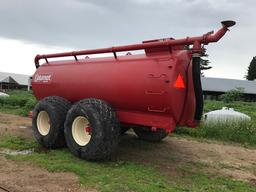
[251, 71]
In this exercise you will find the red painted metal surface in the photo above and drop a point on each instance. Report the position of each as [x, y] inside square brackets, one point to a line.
[152, 89]
[30, 114]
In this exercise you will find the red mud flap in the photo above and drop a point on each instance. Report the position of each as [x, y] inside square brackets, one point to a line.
[197, 88]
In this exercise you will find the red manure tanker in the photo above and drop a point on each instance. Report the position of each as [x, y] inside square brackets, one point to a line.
[87, 103]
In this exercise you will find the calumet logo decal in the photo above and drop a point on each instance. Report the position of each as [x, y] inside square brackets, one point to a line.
[43, 78]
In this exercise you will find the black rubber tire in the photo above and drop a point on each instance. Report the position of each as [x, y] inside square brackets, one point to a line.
[105, 129]
[57, 108]
[146, 134]
[61, 102]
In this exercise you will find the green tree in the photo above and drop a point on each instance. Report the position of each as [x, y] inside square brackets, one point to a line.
[233, 95]
[251, 71]
[204, 63]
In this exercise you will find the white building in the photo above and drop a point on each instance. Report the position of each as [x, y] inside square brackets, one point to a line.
[214, 87]
[9, 81]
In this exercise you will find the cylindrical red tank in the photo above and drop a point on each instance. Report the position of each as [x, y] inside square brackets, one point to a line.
[153, 89]
[130, 83]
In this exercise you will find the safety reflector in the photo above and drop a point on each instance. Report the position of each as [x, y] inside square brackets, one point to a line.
[179, 83]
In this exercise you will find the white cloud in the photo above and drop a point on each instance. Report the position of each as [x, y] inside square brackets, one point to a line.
[18, 56]
[78, 24]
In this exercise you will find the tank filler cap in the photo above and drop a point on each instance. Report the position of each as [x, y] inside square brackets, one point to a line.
[228, 23]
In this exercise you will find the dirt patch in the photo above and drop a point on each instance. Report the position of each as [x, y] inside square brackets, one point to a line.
[17, 125]
[14, 120]
[173, 154]
[20, 177]
[169, 156]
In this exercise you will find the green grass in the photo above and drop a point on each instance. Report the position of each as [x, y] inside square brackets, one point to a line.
[16, 142]
[242, 132]
[104, 176]
[18, 103]
[118, 175]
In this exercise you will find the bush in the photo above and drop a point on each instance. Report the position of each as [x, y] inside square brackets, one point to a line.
[19, 102]
[233, 95]
[15, 100]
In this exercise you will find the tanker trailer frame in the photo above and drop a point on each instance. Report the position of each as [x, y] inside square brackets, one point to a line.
[88, 102]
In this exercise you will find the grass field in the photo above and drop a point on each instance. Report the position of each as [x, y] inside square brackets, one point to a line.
[243, 132]
[18, 103]
[124, 175]
[118, 175]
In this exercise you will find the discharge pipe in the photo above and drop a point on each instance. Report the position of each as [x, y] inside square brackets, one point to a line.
[195, 41]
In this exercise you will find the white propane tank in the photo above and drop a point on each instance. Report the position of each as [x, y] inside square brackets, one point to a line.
[225, 115]
[3, 94]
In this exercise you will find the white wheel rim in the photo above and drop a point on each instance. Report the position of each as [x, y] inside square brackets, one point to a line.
[43, 123]
[81, 130]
